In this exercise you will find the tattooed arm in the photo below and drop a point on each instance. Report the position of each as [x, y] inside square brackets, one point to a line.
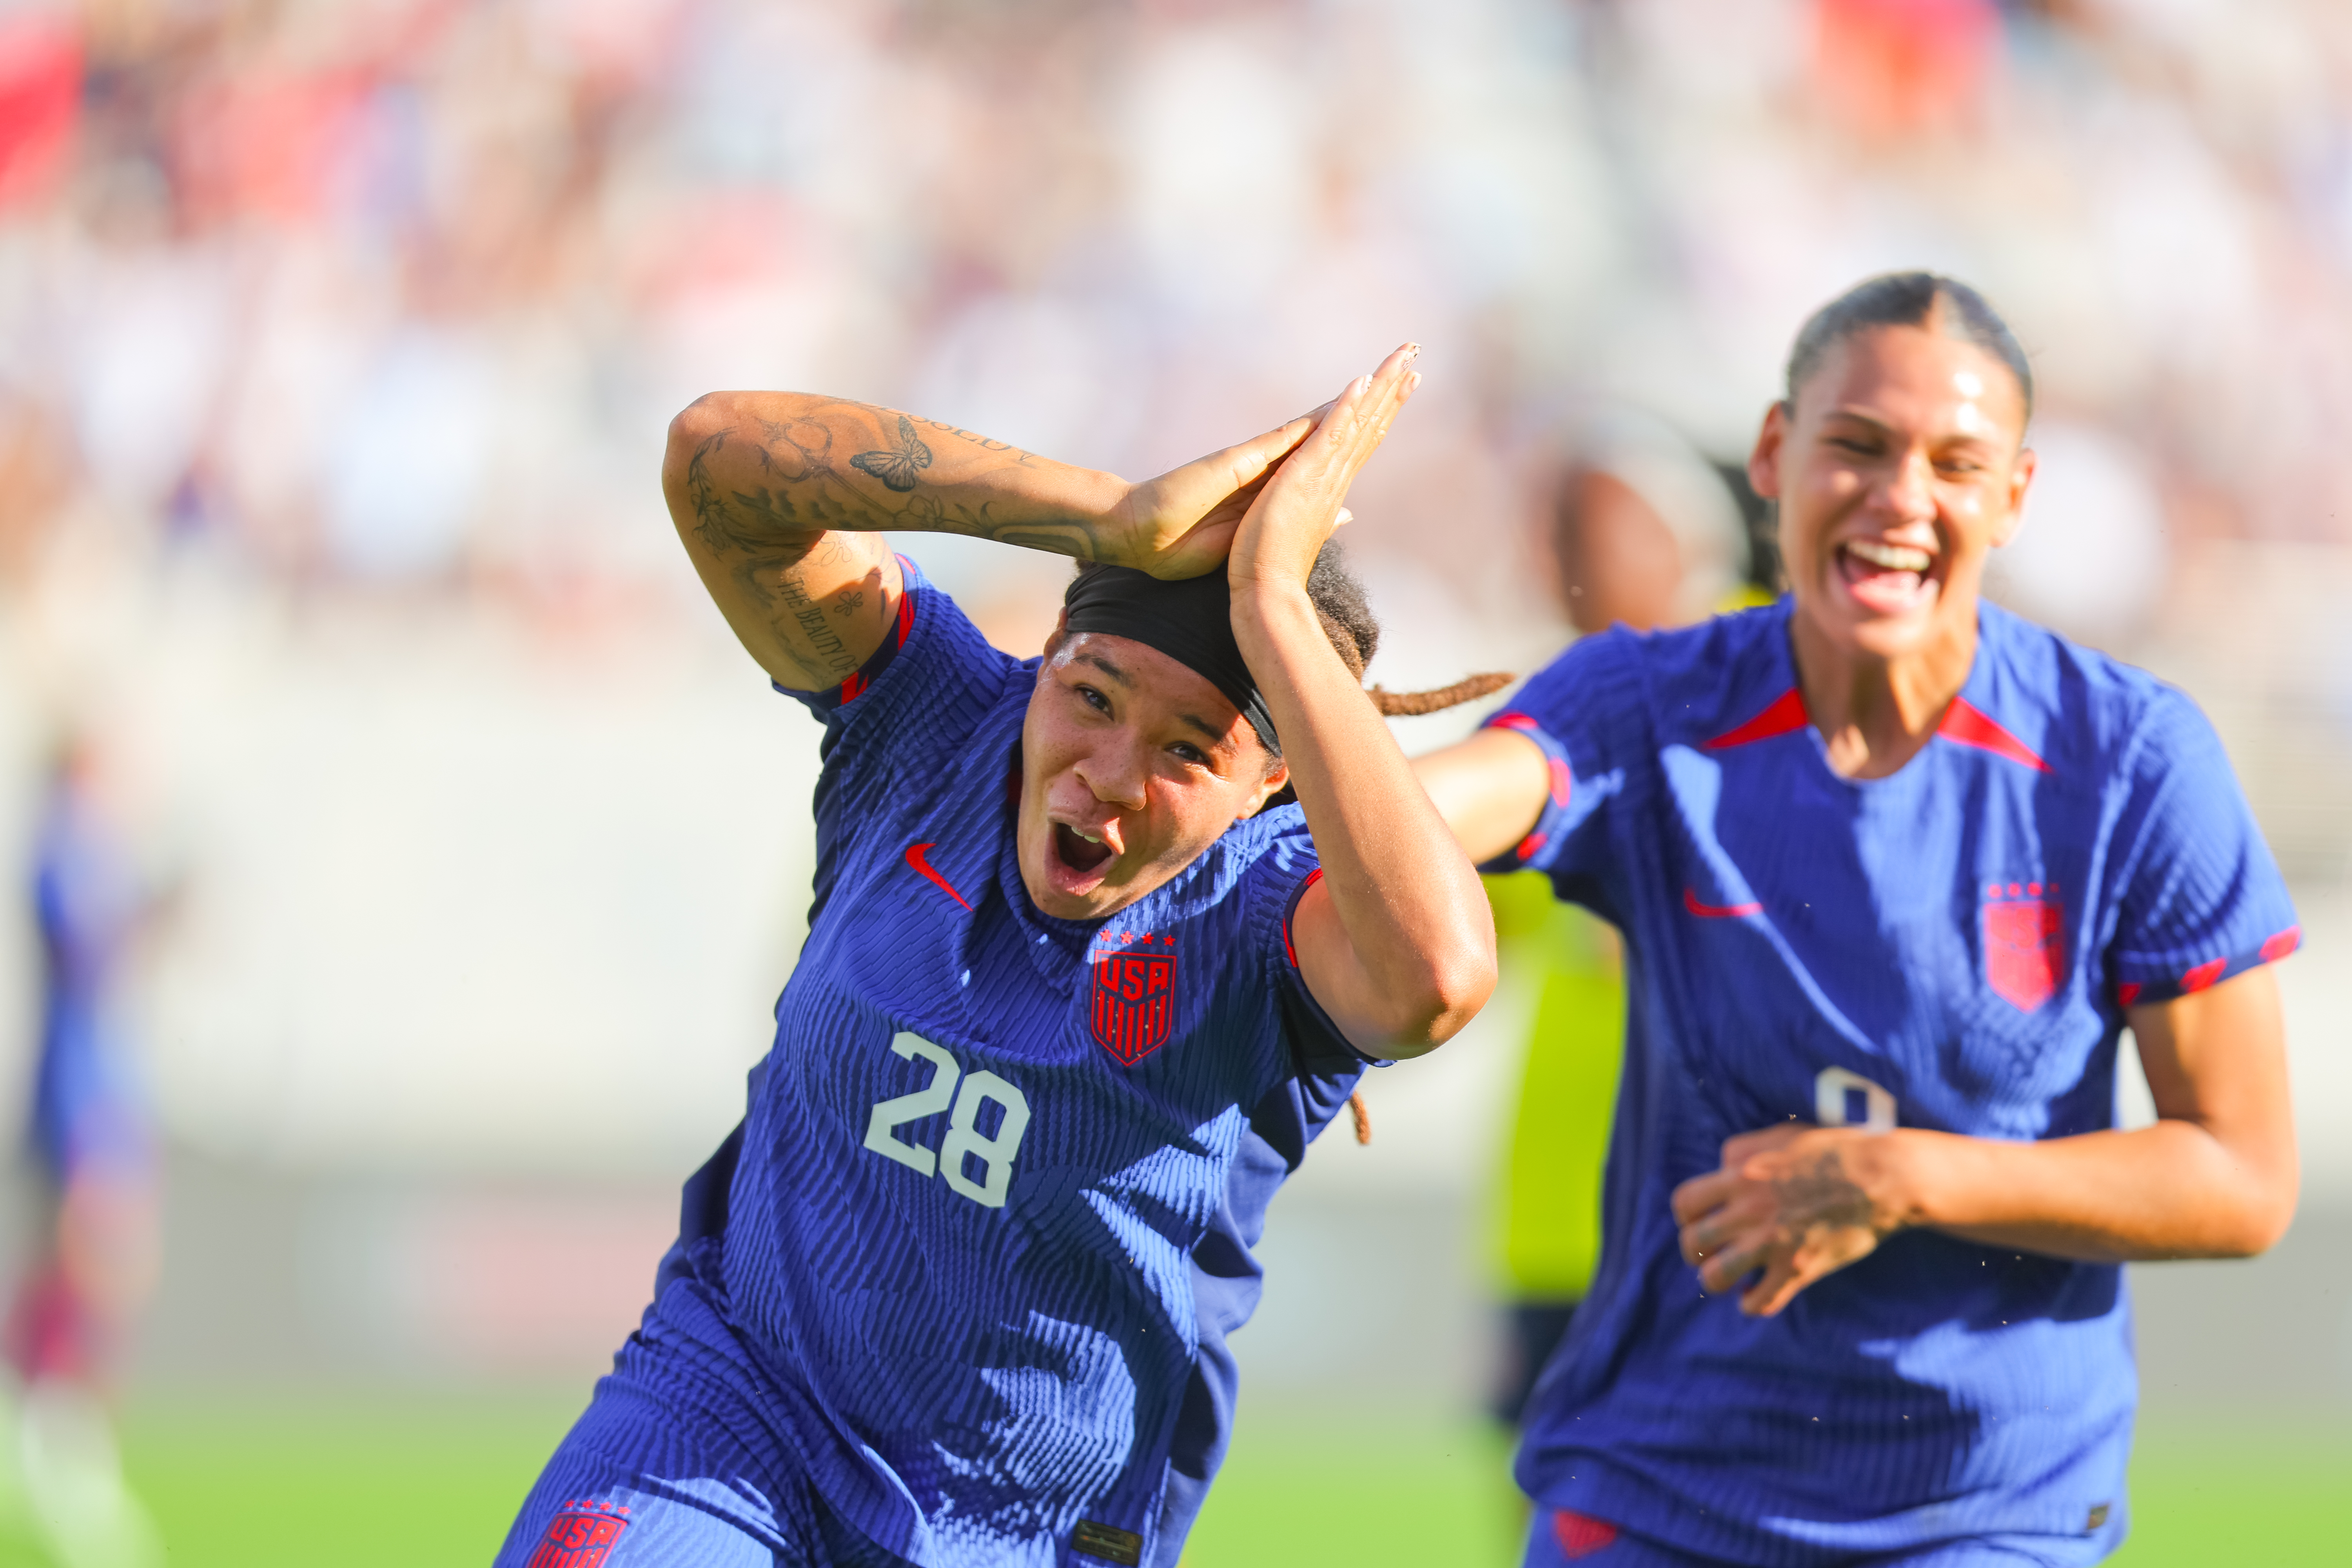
[779, 495]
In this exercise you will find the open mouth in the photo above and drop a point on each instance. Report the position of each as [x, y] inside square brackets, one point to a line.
[1888, 578]
[1081, 852]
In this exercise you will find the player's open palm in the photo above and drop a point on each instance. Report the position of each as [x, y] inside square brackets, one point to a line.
[1301, 504]
[1181, 523]
[1789, 1205]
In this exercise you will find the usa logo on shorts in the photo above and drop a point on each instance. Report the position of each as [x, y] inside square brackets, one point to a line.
[579, 1536]
[2024, 942]
[1134, 1002]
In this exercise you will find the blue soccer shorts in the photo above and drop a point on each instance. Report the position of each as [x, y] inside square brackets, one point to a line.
[637, 1484]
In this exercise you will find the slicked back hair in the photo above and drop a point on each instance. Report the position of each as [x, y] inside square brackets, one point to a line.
[1907, 299]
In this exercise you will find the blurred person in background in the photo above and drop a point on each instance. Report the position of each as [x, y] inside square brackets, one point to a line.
[1894, 869]
[1053, 914]
[1642, 532]
[90, 1140]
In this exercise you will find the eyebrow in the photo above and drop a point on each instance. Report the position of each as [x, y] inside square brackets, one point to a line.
[1881, 427]
[1211, 730]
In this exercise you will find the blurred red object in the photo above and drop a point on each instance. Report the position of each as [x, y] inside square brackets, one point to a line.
[40, 97]
[269, 144]
[1903, 66]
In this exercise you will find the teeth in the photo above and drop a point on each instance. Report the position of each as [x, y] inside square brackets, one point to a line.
[1893, 557]
[1089, 837]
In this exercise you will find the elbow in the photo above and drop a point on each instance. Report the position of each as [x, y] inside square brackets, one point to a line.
[705, 419]
[1441, 1000]
[2259, 1222]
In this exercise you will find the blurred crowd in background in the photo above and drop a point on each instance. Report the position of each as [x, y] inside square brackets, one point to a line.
[337, 339]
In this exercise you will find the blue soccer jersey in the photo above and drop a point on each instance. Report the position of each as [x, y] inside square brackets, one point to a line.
[967, 1271]
[1952, 947]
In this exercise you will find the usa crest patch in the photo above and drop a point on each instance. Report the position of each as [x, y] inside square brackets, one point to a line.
[1134, 995]
[2024, 943]
[580, 1535]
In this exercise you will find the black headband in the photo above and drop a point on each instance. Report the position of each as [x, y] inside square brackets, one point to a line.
[1191, 621]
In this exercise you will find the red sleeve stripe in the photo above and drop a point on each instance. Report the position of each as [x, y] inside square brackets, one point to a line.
[2203, 975]
[1287, 915]
[906, 603]
[2279, 947]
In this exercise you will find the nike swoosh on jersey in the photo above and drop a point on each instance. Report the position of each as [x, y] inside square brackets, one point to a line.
[1717, 911]
[922, 862]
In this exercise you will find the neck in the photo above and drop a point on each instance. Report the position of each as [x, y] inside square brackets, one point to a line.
[1875, 713]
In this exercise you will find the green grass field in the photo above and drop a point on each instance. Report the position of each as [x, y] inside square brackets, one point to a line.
[307, 1483]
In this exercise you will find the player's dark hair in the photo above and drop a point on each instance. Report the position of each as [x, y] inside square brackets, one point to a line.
[1907, 299]
[1354, 633]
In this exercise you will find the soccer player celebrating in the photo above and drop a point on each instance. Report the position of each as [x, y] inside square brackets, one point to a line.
[1894, 869]
[1077, 992]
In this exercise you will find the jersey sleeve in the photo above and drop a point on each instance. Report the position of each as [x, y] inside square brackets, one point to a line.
[1577, 710]
[916, 698]
[2201, 898]
[1315, 1047]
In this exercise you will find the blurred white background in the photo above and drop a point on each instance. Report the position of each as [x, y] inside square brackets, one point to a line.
[338, 337]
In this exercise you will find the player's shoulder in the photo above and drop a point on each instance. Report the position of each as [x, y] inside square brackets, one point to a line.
[2076, 710]
[1246, 878]
[1689, 684]
[933, 679]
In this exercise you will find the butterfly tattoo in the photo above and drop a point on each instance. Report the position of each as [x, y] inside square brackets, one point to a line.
[897, 466]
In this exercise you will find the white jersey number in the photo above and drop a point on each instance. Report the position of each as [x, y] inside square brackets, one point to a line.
[965, 1142]
[1843, 1099]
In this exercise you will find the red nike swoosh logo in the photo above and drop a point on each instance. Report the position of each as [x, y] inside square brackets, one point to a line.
[1708, 912]
[920, 862]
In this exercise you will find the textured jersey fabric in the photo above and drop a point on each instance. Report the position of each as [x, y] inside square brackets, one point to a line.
[1952, 947]
[970, 1265]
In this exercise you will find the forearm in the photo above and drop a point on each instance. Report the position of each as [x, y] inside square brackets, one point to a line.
[767, 470]
[777, 495]
[1420, 943]
[2170, 1190]
[1490, 789]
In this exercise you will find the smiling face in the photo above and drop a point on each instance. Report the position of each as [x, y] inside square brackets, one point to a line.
[1901, 466]
[1131, 765]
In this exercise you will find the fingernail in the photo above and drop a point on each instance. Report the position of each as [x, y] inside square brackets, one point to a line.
[1413, 380]
[1346, 516]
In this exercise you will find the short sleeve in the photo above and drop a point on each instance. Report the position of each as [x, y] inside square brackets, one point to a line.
[917, 698]
[2201, 898]
[1272, 888]
[1581, 712]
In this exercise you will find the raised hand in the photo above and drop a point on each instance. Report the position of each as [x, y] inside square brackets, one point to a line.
[1181, 523]
[1297, 507]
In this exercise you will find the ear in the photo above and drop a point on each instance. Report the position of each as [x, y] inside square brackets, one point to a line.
[1276, 779]
[1060, 634]
[2020, 478]
[1764, 462]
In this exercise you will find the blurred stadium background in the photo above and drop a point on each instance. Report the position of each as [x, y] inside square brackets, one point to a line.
[336, 340]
